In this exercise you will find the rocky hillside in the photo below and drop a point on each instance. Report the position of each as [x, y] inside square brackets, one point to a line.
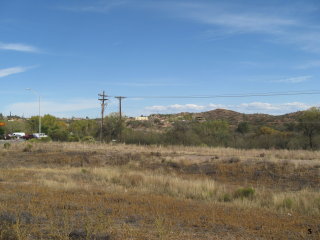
[232, 117]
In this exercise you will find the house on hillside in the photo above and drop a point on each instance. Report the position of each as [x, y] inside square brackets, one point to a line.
[199, 118]
[141, 118]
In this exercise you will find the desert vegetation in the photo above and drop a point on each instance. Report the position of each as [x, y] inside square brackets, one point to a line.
[84, 190]
[218, 128]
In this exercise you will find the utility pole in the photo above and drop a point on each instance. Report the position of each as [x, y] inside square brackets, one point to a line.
[120, 115]
[103, 98]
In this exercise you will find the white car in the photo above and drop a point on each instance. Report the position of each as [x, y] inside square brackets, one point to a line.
[39, 135]
[17, 134]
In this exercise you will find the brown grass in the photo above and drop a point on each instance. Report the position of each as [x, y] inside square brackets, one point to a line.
[152, 192]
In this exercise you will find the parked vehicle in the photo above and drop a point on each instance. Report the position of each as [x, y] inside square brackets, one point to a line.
[39, 135]
[17, 135]
[28, 136]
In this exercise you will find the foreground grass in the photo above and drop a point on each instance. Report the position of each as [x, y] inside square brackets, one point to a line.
[96, 191]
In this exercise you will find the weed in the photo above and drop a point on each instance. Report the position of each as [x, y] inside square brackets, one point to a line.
[226, 197]
[287, 203]
[244, 193]
[84, 171]
[27, 148]
[161, 228]
[6, 145]
[134, 180]
[233, 160]
[88, 139]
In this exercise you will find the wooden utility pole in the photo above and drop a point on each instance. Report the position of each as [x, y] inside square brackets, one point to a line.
[103, 98]
[120, 115]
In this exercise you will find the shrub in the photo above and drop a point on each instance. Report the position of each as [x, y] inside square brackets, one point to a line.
[72, 138]
[134, 180]
[88, 139]
[6, 145]
[37, 140]
[244, 193]
[226, 197]
[84, 171]
[27, 148]
[233, 160]
[287, 203]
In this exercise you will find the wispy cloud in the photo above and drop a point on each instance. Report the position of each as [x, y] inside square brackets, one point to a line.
[18, 47]
[311, 64]
[14, 70]
[253, 107]
[148, 84]
[96, 6]
[234, 18]
[293, 79]
[282, 24]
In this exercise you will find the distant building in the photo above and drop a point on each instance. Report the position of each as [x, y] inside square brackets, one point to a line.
[141, 118]
[199, 119]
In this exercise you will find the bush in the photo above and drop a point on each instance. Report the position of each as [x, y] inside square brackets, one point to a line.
[226, 197]
[244, 193]
[287, 203]
[59, 135]
[6, 145]
[27, 148]
[72, 138]
[88, 139]
[37, 140]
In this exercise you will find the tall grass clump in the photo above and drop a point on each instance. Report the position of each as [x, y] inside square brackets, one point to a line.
[244, 193]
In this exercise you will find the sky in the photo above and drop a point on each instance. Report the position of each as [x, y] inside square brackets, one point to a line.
[69, 51]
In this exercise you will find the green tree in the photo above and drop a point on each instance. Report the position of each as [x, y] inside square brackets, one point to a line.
[309, 123]
[2, 132]
[15, 126]
[182, 133]
[112, 127]
[243, 127]
[50, 125]
[215, 132]
[83, 128]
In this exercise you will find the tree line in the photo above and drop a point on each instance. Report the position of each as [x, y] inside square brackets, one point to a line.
[302, 134]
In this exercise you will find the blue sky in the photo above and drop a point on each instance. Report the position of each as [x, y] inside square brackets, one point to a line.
[68, 51]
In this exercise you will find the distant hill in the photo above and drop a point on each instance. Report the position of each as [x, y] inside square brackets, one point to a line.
[234, 118]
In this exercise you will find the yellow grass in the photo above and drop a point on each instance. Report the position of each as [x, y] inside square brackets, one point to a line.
[156, 192]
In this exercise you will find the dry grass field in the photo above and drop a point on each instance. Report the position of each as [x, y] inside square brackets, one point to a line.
[118, 192]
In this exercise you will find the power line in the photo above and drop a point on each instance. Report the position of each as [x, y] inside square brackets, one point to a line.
[267, 94]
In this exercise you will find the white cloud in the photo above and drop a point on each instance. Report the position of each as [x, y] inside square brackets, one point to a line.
[293, 79]
[52, 107]
[176, 107]
[279, 108]
[215, 106]
[253, 107]
[18, 47]
[14, 70]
